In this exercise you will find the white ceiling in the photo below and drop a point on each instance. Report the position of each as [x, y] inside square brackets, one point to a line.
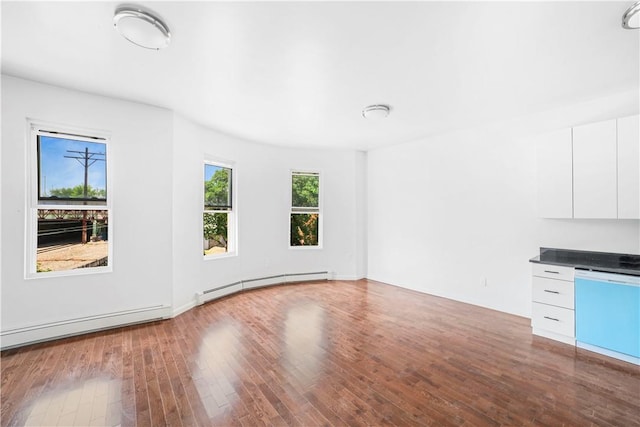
[299, 73]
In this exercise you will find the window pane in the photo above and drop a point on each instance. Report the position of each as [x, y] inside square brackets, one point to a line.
[215, 232]
[304, 190]
[71, 170]
[217, 187]
[72, 239]
[304, 229]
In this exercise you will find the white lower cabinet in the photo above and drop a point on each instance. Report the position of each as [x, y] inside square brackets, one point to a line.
[552, 313]
[558, 293]
[553, 319]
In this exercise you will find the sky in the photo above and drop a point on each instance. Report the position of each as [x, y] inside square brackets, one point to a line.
[209, 170]
[60, 172]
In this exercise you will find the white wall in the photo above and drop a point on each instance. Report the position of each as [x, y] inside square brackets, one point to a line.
[437, 215]
[263, 200]
[156, 162]
[140, 164]
[446, 212]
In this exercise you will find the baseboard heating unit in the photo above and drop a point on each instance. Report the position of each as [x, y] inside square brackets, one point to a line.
[47, 331]
[280, 279]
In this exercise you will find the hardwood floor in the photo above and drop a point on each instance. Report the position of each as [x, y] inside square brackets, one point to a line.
[328, 353]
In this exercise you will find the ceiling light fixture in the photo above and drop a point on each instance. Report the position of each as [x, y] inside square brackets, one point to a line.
[631, 17]
[141, 27]
[376, 112]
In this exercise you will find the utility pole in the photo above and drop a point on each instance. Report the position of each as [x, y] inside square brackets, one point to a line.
[86, 159]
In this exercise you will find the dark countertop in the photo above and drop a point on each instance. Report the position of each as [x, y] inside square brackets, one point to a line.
[586, 260]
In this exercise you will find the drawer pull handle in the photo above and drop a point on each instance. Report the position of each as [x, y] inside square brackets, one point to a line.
[551, 292]
[551, 318]
[554, 272]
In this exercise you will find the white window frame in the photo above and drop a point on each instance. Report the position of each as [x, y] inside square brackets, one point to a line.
[33, 204]
[319, 211]
[232, 215]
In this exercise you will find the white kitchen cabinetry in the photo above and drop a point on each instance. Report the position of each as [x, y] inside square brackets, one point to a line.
[552, 314]
[555, 177]
[629, 167]
[595, 170]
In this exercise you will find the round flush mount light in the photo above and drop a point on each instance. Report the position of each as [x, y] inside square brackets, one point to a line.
[631, 17]
[376, 112]
[141, 27]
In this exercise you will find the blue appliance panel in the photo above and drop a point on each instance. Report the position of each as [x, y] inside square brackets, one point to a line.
[608, 315]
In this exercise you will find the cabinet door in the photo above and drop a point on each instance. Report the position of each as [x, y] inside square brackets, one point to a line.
[629, 167]
[594, 170]
[554, 319]
[608, 315]
[553, 292]
[554, 175]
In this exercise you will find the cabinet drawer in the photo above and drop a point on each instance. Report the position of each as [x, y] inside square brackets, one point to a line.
[553, 292]
[553, 271]
[553, 319]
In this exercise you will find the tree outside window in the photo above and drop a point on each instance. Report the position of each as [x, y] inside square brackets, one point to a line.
[218, 208]
[305, 209]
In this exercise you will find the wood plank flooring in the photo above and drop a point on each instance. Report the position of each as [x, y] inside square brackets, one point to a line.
[323, 353]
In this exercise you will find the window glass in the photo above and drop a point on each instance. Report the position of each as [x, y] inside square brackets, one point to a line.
[304, 219]
[217, 187]
[69, 230]
[72, 239]
[71, 170]
[304, 190]
[216, 232]
[304, 229]
[218, 215]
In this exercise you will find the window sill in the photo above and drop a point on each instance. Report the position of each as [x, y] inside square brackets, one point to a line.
[220, 256]
[68, 273]
[305, 248]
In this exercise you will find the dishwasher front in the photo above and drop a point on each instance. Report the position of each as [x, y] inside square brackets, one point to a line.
[607, 308]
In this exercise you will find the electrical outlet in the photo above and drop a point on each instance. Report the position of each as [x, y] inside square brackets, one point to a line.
[484, 282]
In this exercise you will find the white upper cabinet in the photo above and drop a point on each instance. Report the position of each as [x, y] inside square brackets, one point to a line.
[629, 167]
[555, 175]
[591, 171]
[595, 170]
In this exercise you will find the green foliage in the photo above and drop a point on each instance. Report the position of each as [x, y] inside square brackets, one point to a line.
[304, 190]
[217, 194]
[40, 269]
[304, 230]
[215, 228]
[78, 192]
[217, 189]
[304, 194]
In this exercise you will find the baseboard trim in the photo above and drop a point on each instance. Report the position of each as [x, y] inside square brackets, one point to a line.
[216, 293]
[65, 328]
[184, 308]
[347, 278]
[259, 282]
[55, 330]
[610, 353]
[554, 336]
[263, 281]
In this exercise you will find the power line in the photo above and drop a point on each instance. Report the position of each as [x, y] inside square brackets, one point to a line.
[86, 160]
